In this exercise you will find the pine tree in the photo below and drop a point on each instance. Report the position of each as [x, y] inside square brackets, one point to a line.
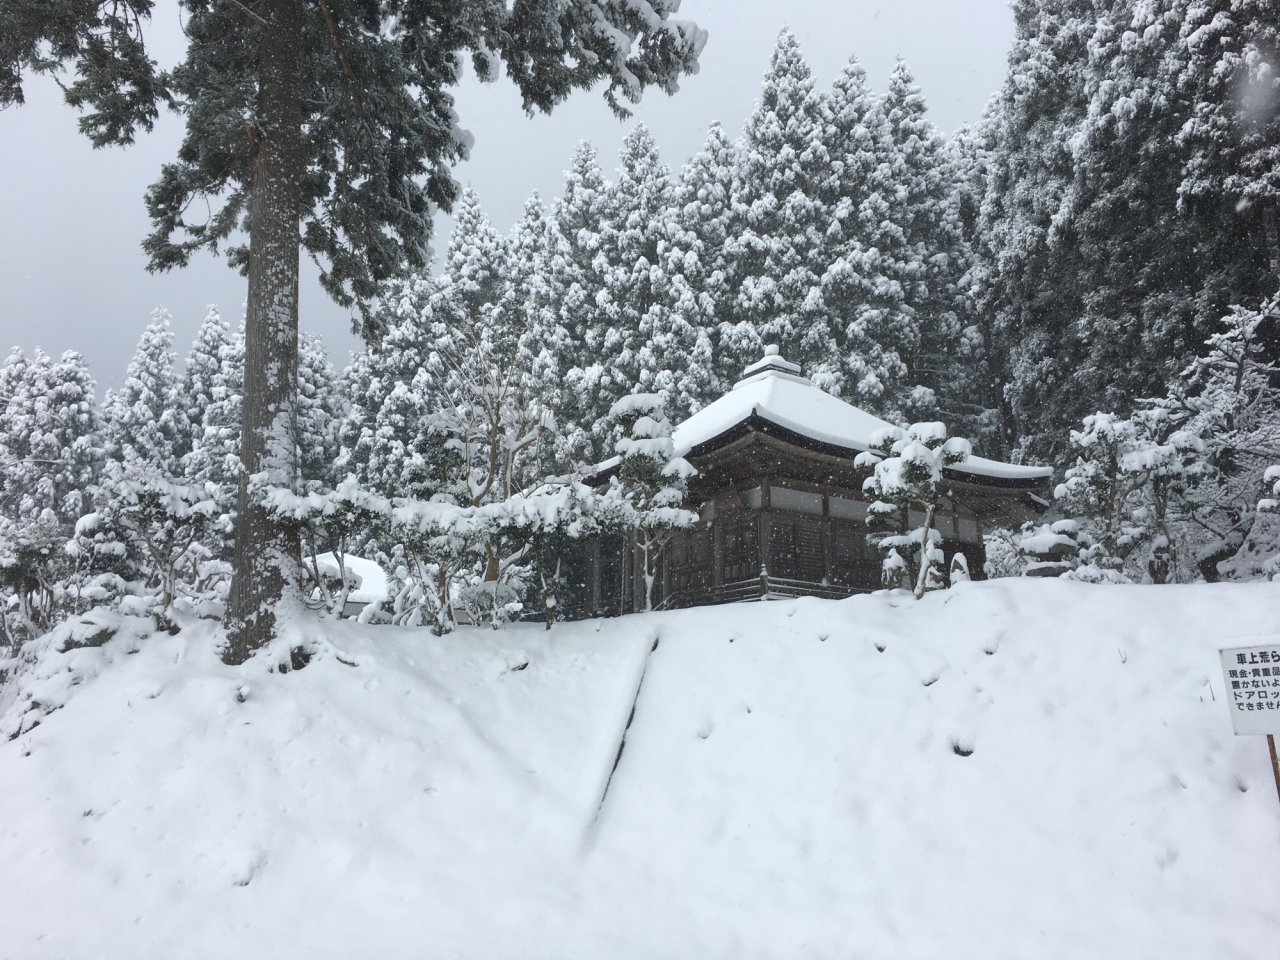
[1032, 289]
[50, 458]
[215, 454]
[975, 401]
[387, 443]
[531, 300]
[1131, 199]
[1224, 62]
[632, 307]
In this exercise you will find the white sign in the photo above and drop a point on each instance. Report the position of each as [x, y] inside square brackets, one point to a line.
[1252, 678]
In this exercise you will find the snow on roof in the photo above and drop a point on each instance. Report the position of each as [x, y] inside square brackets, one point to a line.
[774, 390]
[372, 579]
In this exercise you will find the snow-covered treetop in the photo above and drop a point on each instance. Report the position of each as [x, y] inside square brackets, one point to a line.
[905, 461]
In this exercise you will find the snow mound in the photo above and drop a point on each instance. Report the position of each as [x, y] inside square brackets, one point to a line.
[370, 579]
[1007, 769]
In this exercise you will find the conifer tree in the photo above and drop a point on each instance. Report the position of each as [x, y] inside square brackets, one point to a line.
[573, 244]
[203, 370]
[862, 282]
[779, 219]
[925, 241]
[50, 436]
[531, 299]
[699, 297]
[631, 304]
[1224, 61]
[387, 443]
[321, 407]
[50, 459]
[1032, 291]
[146, 419]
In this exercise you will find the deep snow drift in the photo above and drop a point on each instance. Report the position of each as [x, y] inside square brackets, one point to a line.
[793, 784]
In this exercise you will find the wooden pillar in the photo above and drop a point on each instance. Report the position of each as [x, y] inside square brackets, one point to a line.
[828, 545]
[593, 577]
[717, 553]
[766, 558]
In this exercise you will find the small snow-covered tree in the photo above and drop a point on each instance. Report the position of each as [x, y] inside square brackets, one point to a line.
[50, 457]
[169, 526]
[1051, 549]
[146, 420]
[1128, 473]
[166, 528]
[1229, 397]
[203, 370]
[906, 473]
[215, 449]
[321, 408]
[552, 518]
[651, 479]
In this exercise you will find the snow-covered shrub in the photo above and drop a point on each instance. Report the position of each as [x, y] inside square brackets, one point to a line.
[1051, 549]
[1038, 550]
[651, 480]
[165, 529]
[1003, 558]
[906, 470]
[550, 519]
[1129, 474]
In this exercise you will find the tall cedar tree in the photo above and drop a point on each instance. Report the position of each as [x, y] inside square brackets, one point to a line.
[328, 125]
[778, 221]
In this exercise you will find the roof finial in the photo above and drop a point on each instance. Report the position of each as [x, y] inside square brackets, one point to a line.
[774, 362]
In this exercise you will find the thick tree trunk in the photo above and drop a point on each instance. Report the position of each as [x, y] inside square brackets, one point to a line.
[267, 551]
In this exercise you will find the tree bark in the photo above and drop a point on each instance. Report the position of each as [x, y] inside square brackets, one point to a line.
[267, 551]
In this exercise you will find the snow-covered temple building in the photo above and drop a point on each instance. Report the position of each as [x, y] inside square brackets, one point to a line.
[781, 503]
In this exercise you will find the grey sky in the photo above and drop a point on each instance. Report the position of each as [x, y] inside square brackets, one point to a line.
[71, 219]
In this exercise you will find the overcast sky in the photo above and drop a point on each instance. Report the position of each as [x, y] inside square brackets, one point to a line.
[72, 219]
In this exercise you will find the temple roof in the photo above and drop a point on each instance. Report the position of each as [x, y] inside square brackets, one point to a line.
[774, 390]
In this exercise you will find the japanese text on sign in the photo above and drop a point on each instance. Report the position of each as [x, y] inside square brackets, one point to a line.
[1252, 679]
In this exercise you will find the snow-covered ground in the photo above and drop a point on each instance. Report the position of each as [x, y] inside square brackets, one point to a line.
[793, 785]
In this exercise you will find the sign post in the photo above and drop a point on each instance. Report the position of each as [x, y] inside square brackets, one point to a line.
[1252, 679]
